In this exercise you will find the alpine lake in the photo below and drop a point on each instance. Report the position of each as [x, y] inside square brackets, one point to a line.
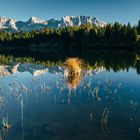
[37, 102]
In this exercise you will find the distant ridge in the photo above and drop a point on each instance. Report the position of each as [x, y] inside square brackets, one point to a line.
[34, 23]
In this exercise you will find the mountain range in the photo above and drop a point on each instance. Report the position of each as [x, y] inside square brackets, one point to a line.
[34, 23]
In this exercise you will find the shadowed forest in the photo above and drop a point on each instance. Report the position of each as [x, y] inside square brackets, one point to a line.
[71, 40]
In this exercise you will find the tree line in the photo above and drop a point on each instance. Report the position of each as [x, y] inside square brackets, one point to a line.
[114, 36]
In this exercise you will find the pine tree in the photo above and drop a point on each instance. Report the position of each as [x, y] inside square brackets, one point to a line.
[138, 27]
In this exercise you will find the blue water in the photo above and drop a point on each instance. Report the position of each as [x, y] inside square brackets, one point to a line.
[51, 112]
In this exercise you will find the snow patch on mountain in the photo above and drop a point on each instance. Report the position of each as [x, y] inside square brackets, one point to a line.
[35, 23]
[6, 23]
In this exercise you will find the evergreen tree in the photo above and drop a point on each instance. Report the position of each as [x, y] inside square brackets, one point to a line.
[138, 27]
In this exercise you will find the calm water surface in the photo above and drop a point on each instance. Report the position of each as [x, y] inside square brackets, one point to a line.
[104, 106]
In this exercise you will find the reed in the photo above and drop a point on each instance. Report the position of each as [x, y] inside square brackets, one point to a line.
[5, 123]
[104, 121]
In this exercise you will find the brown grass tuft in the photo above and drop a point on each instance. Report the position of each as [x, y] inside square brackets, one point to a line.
[73, 67]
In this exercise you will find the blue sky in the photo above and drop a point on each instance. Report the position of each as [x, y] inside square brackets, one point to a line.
[123, 11]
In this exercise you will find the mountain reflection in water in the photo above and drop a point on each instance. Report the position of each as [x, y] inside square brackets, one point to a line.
[102, 104]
